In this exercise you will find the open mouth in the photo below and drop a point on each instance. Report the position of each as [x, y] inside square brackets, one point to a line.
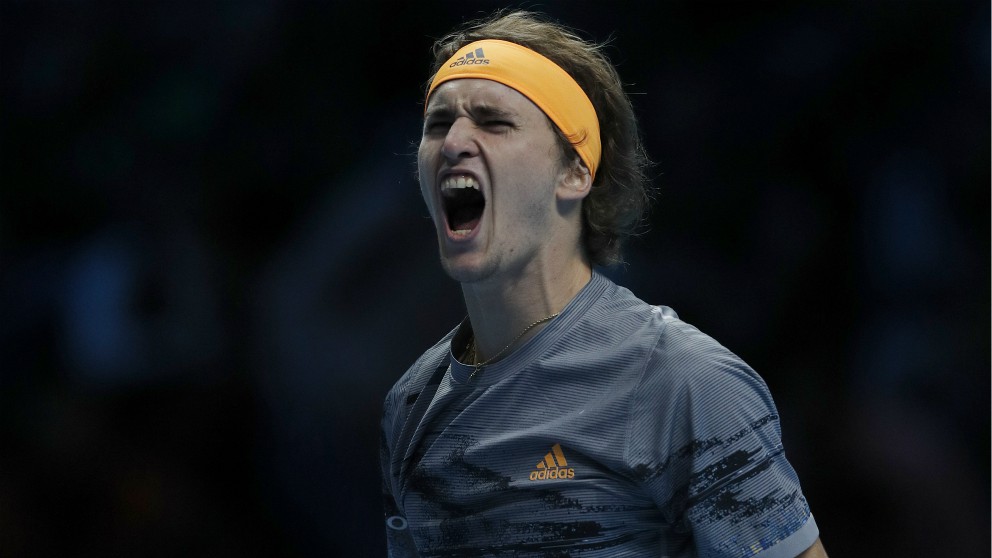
[463, 203]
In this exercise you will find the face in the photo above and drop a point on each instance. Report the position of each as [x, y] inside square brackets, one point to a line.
[489, 165]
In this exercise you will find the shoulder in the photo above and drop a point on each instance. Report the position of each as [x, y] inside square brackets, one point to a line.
[410, 384]
[674, 355]
[697, 393]
[684, 358]
[615, 318]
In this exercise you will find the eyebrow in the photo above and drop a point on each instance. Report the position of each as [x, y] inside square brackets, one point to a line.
[489, 112]
[439, 110]
[480, 111]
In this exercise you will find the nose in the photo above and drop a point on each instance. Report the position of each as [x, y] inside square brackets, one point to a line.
[459, 142]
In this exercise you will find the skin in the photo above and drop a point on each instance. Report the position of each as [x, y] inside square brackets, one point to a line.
[525, 260]
[815, 551]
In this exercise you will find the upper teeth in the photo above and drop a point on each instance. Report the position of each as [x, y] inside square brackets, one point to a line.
[459, 181]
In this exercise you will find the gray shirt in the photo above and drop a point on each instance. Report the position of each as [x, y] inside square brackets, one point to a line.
[618, 430]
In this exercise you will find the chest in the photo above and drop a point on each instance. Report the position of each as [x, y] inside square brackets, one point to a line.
[536, 465]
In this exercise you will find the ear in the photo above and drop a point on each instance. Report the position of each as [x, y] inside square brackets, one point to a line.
[575, 182]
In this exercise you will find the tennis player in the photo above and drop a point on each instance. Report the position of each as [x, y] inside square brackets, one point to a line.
[564, 416]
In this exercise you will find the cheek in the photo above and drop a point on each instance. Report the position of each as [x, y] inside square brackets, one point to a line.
[425, 193]
[424, 178]
[426, 157]
[425, 196]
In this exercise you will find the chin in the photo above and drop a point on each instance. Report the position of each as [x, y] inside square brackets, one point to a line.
[464, 271]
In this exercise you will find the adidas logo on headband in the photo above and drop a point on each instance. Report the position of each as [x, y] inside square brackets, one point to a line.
[477, 57]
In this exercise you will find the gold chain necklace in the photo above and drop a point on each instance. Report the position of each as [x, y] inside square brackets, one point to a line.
[475, 353]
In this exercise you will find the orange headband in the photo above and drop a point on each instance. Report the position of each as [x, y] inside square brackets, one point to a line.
[537, 78]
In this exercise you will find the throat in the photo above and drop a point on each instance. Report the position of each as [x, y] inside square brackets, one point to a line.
[465, 219]
[464, 209]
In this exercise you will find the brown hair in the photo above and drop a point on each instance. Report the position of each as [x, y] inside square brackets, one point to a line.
[621, 191]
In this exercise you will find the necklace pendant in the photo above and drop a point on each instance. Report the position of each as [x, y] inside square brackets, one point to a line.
[475, 351]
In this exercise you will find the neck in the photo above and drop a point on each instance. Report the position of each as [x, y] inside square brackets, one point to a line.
[500, 309]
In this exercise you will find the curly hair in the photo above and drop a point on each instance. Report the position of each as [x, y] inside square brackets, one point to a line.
[621, 191]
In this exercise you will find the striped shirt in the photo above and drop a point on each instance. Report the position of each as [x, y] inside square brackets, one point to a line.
[617, 430]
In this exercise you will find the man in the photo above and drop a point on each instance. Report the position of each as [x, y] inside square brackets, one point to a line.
[564, 416]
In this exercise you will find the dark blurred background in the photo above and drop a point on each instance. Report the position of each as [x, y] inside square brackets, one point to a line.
[214, 260]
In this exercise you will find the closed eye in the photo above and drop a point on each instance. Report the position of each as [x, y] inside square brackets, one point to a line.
[437, 126]
[493, 118]
[499, 125]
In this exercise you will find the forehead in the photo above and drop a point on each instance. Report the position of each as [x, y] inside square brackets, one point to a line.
[474, 92]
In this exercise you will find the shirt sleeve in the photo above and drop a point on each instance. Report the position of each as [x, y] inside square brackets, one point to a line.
[707, 431]
[399, 542]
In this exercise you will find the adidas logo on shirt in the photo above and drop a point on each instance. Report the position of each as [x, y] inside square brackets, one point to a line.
[477, 57]
[553, 466]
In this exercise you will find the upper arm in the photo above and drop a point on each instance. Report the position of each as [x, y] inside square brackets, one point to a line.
[715, 465]
[815, 551]
[399, 542]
